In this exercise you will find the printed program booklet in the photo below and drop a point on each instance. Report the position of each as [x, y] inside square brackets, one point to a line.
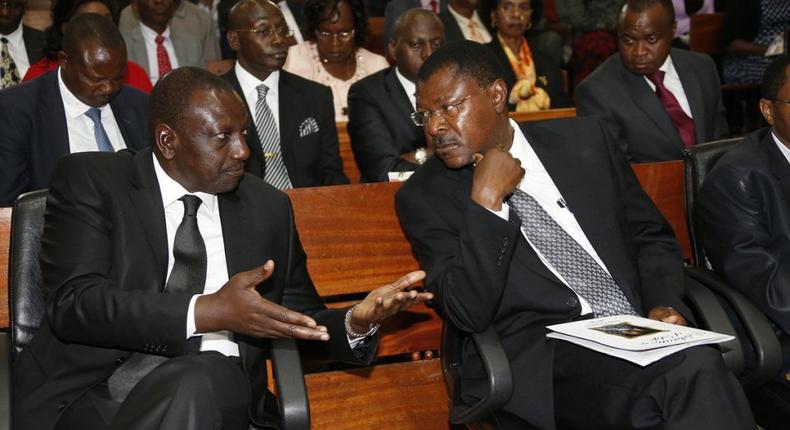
[636, 339]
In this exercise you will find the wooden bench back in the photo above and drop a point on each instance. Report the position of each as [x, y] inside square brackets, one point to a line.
[705, 33]
[5, 242]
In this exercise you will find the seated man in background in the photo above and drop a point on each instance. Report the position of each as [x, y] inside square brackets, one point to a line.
[81, 106]
[293, 140]
[523, 226]
[167, 271]
[660, 100]
[396, 8]
[743, 208]
[462, 20]
[383, 137]
[162, 35]
[20, 45]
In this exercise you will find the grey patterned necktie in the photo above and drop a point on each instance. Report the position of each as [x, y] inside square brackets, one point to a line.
[9, 74]
[565, 255]
[188, 276]
[102, 141]
[276, 173]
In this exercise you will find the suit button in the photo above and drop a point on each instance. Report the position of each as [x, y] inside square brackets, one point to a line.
[62, 405]
[119, 361]
[571, 302]
[505, 240]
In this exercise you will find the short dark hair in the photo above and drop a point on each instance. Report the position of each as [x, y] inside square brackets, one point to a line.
[172, 94]
[466, 58]
[774, 77]
[315, 14]
[91, 27]
[643, 5]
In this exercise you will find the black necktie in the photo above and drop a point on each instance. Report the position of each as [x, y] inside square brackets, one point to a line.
[188, 276]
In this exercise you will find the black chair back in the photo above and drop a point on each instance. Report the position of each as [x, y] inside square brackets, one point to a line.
[26, 298]
[699, 160]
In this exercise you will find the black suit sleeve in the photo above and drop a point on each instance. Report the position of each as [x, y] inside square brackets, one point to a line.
[466, 262]
[374, 146]
[740, 242]
[332, 164]
[659, 261]
[85, 304]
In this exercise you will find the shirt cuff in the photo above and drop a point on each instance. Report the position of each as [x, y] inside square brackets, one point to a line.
[503, 213]
[191, 325]
[353, 342]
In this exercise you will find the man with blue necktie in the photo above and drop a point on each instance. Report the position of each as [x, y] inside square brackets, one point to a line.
[82, 106]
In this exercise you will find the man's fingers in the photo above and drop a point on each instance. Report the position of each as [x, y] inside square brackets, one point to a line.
[251, 278]
[285, 315]
[408, 280]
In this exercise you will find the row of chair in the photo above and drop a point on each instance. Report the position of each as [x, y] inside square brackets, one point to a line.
[354, 243]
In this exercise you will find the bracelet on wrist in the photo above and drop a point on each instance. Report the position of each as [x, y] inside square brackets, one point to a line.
[350, 331]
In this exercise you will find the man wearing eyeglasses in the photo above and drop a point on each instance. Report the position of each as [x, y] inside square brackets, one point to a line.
[743, 208]
[383, 137]
[520, 226]
[293, 136]
[20, 45]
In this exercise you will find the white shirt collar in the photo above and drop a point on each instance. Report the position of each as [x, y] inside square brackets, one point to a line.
[171, 190]
[150, 34]
[522, 150]
[249, 83]
[71, 104]
[409, 87]
[15, 37]
[782, 148]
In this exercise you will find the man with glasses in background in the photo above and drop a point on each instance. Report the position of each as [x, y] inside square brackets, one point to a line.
[520, 226]
[21, 45]
[293, 138]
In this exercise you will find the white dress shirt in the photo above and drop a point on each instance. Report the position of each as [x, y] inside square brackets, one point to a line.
[80, 126]
[249, 89]
[16, 47]
[463, 22]
[210, 226]
[409, 87]
[538, 183]
[782, 148]
[290, 20]
[149, 36]
[673, 84]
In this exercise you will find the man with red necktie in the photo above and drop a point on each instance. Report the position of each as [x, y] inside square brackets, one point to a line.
[659, 99]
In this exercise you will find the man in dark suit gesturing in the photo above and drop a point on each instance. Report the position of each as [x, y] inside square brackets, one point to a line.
[659, 99]
[485, 216]
[166, 271]
[383, 137]
[81, 106]
[293, 139]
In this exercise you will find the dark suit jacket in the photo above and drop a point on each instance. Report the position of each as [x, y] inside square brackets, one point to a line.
[104, 264]
[35, 43]
[743, 208]
[635, 111]
[545, 68]
[312, 160]
[34, 133]
[380, 127]
[482, 270]
[452, 31]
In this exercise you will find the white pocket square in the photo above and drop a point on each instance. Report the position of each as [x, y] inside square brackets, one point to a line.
[308, 126]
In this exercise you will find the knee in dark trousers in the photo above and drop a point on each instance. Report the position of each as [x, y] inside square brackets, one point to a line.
[204, 391]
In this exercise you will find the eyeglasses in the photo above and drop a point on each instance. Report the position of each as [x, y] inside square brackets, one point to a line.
[340, 35]
[448, 112]
[268, 32]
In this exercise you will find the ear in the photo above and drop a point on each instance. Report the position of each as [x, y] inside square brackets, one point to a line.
[166, 141]
[233, 40]
[767, 109]
[497, 93]
[391, 48]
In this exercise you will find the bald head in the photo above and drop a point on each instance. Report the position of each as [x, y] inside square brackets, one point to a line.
[91, 28]
[417, 33]
[261, 52]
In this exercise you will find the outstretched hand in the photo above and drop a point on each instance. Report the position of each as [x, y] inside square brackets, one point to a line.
[385, 301]
[238, 307]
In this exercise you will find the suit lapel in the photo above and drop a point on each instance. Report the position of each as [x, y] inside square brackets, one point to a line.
[56, 136]
[147, 201]
[136, 47]
[778, 162]
[125, 123]
[693, 90]
[253, 140]
[588, 203]
[647, 100]
[397, 95]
